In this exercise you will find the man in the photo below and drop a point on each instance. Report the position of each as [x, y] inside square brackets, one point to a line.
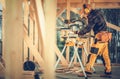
[100, 46]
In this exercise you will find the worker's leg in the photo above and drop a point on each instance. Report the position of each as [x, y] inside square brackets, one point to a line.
[95, 51]
[106, 58]
[90, 64]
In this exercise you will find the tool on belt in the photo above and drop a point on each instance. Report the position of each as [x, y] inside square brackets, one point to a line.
[103, 36]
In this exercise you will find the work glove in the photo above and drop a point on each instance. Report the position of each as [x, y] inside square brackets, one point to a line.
[76, 32]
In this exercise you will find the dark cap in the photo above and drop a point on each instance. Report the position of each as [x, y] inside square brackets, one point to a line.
[86, 6]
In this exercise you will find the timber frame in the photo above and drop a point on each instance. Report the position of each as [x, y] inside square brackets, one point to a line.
[27, 26]
[72, 5]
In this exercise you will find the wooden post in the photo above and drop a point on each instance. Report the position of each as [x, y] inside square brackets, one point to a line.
[50, 25]
[68, 9]
[3, 3]
[68, 18]
[13, 38]
[68, 53]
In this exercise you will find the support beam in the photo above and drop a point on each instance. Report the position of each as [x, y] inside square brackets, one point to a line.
[68, 9]
[74, 10]
[13, 39]
[113, 26]
[106, 0]
[41, 22]
[68, 53]
[81, 1]
[110, 5]
[62, 59]
[50, 7]
[34, 51]
[60, 11]
[2, 2]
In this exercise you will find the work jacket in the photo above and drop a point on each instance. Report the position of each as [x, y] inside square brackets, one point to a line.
[96, 22]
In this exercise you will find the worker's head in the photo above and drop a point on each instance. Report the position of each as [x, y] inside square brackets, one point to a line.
[86, 8]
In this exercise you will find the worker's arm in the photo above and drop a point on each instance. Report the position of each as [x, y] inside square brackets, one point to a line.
[91, 24]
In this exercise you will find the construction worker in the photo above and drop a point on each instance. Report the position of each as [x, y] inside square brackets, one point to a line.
[96, 22]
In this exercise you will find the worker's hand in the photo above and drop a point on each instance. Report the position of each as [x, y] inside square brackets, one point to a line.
[76, 32]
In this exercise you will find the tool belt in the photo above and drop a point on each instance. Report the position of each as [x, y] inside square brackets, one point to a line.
[103, 36]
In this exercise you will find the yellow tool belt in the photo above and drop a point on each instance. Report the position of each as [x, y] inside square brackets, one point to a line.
[103, 36]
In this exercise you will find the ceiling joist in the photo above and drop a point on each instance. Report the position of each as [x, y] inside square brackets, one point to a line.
[97, 3]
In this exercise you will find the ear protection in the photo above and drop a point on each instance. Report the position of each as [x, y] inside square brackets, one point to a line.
[87, 10]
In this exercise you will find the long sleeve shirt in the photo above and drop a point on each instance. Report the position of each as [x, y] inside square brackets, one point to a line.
[96, 22]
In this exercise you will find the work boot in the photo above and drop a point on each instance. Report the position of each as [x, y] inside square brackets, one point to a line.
[106, 74]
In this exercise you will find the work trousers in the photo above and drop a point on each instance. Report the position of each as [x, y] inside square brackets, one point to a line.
[99, 48]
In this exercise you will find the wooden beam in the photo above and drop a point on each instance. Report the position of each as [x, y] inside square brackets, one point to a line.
[13, 39]
[61, 1]
[74, 10]
[41, 21]
[71, 1]
[106, 0]
[97, 5]
[113, 26]
[60, 11]
[68, 9]
[88, 1]
[50, 7]
[58, 53]
[34, 51]
[3, 4]
[110, 5]
[68, 53]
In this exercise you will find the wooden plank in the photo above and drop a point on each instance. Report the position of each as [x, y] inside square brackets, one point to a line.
[97, 5]
[41, 20]
[68, 53]
[3, 4]
[34, 51]
[26, 13]
[50, 7]
[32, 12]
[81, 1]
[110, 5]
[74, 10]
[60, 11]
[58, 53]
[31, 36]
[68, 9]
[37, 36]
[106, 0]
[61, 1]
[28, 74]
[13, 39]
[71, 1]
[113, 26]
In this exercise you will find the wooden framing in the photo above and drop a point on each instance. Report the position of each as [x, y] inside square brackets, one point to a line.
[27, 26]
[50, 25]
[98, 3]
[60, 11]
[62, 58]
[13, 39]
[72, 5]
[113, 26]
[31, 36]
[3, 4]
